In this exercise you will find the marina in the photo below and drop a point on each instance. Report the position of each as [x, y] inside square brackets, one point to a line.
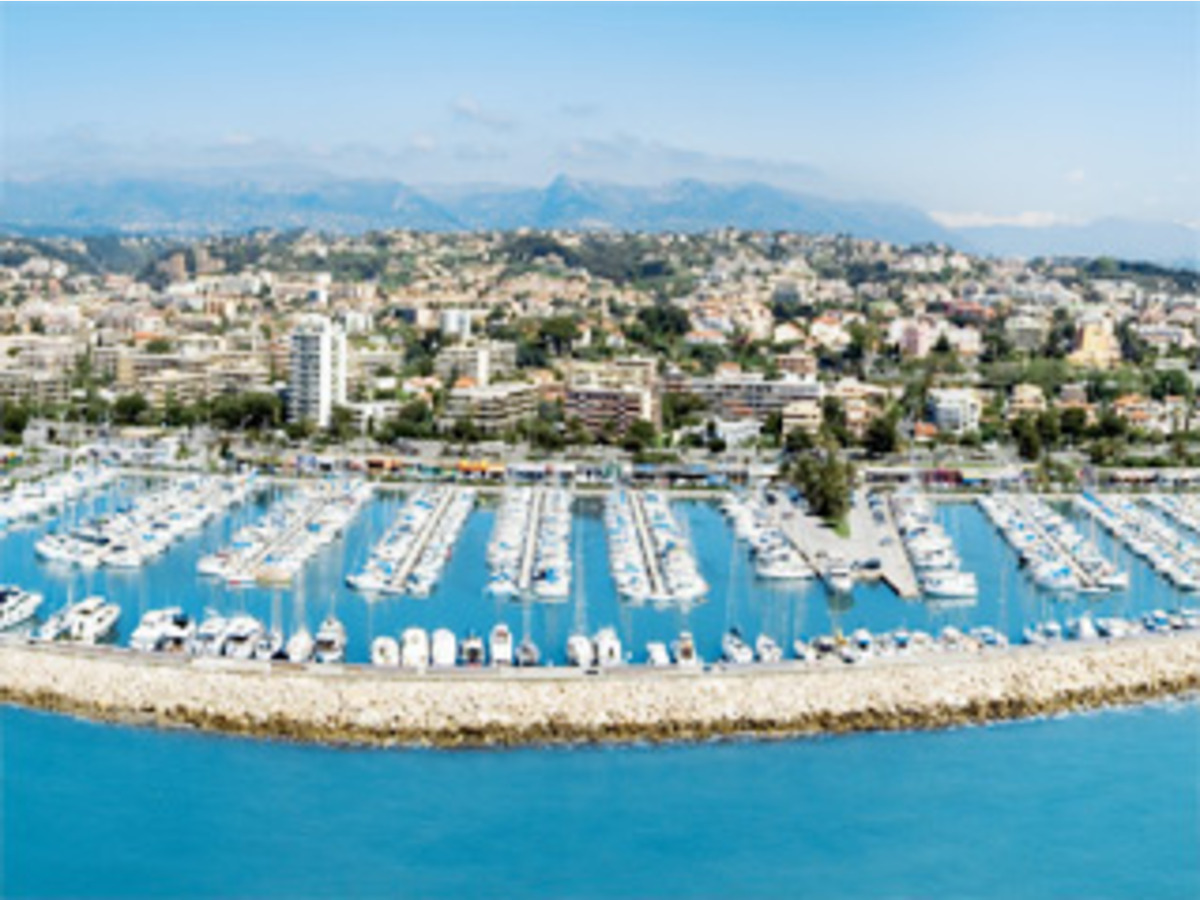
[411, 556]
[651, 557]
[1170, 554]
[31, 500]
[530, 551]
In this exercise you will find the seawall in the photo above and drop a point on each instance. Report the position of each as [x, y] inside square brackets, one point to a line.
[360, 705]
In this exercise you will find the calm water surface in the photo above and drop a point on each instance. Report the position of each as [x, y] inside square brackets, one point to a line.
[1101, 805]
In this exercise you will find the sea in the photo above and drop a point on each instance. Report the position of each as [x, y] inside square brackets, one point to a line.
[1105, 804]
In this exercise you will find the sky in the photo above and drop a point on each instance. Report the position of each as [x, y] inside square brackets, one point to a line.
[978, 113]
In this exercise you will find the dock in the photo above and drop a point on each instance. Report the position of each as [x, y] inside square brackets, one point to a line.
[650, 559]
[400, 576]
[530, 545]
[817, 542]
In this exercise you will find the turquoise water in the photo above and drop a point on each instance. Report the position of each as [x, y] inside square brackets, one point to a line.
[1101, 805]
[1007, 600]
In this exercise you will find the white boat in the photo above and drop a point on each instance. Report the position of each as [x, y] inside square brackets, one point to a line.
[471, 652]
[501, 645]
[684, 651]
[385, 651]
[735, 650]
[528, 654]
[269, 645]
[444, 649]
[163, 630]
[17, 606]
[414, 648]
[839, 577]
[92, 620]
[331, 640]
[581, 651]
[241, 636]
[656, 654]
[767, 650]
[300, 646]
[209, 639]
[950, 583]
[608, 648]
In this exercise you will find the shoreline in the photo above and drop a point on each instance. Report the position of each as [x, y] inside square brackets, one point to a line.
[363, 706]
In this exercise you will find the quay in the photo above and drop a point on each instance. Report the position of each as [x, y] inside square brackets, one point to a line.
[418, 548]
[817, 542]
[650, 558]
[365, 706]
[1085, 578]
[529, 546]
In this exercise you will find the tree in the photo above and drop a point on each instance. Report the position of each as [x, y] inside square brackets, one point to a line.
[881, 437]
[639, 436]
[1073, 423]
[341, 423]
[129, 408]
[833, 420]
[826, 482]
[1029, 441]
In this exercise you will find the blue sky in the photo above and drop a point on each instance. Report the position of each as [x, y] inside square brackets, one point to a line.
[981, 112]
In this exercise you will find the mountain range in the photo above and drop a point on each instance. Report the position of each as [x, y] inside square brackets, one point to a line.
[187, 207]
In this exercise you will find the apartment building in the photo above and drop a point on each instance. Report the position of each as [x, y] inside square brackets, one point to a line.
[316, 371]
[492, 408]
[736, 395]
[478, 361]
[955, 411]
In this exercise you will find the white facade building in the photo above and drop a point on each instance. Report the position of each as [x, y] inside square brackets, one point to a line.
[316, 371]
[955, 410]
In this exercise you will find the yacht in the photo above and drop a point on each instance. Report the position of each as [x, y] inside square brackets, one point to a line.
[17, 606]
[528, 654]
[472, 651]
[385, 652]
[656, 654]
[241, 636]
[331, 640]
[735, 649]
[684, 651]
[608, 648]
[414, 648]
[163, 630]
[269, 645]
[839, 577]
[444, 649]
[92, 620]
[580, 651]
[501, 645]
[300, 646]
[950, 584]
[767, 650]
[209, 639]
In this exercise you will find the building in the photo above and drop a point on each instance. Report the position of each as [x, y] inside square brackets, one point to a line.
[40, 387]
[316, 371]
[613, 395]
[955, 411]
[477, 361]
[492, 408]
[799, 363]
[1097, 346]
[735, 395]
[804, 415]
[1026, 400]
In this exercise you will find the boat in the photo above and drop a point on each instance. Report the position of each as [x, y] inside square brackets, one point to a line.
[163, 630]
[684, 651]
[767, 650]
[528, 654]
[444, 652]
[331, 640]
[608, 648]
[839, 577]
[656, 654]
[734, 649]
[92, 620]
[300, 646]
[17, 606]
[209, 639]
[500, 645]
[414, 648]
[472, 651]
[385, 651]
[580, 651]
[241, 636]
[269, 645]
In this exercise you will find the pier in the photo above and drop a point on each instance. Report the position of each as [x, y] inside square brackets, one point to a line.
[529, 546]
[1083, 576]
[650, 559]
[427, 532]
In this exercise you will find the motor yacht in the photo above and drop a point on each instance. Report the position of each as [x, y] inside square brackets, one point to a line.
[92, 620]
[656, 654]
[580, 651]
[167, 630]
[607, 648]
[331, 640]
[528, 654]
[300, 646]
[767, 650]
[684, 651]
[501, 645]
[17, 606]
[444, 649]
[241, 636]
[734, 648]
[414, 648]
[471, 652]
[385, 651]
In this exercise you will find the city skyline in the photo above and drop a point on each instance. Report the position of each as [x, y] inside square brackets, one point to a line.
[976, 115]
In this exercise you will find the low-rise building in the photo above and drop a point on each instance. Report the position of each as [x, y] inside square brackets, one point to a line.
[955, 411]
[491, 408]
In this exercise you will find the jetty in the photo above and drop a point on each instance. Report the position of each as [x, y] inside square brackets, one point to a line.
[529, 547]
[650, 557]
[417, 550]
[352, 705]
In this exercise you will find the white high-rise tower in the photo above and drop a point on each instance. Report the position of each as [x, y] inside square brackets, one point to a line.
[317, 371]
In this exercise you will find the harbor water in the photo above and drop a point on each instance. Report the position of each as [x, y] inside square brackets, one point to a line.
[1007, 598]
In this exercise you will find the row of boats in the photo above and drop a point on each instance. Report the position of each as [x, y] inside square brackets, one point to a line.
[651, 557]
[1148, 536]
[28, 501]
[274, 549]
[529, 554]
[1056, 555]
[410, 558]
[146, 526]
[930, 549]
[775, 558]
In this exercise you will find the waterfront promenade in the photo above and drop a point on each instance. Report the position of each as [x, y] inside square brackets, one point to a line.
[361, 705]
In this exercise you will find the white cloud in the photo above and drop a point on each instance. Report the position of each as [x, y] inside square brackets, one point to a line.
[1030, 219]
[471, 110]
[1076, 176]
[422, 143]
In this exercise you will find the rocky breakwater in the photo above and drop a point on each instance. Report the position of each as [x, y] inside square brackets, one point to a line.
[353, 705]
